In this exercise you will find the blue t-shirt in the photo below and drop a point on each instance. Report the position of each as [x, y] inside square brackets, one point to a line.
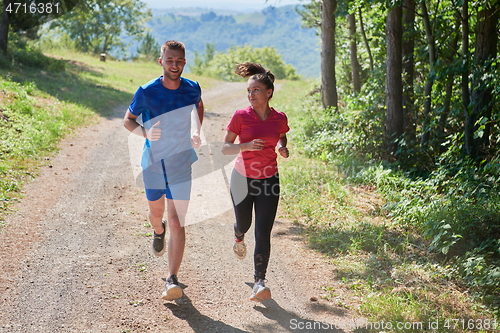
[172, 108]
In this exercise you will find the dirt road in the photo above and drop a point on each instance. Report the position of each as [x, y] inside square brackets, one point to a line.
[75, 257]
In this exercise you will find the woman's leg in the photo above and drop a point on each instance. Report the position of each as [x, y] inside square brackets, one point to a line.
[242, 203]
[266, 205]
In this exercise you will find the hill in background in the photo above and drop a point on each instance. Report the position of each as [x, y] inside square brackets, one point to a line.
[280, 27]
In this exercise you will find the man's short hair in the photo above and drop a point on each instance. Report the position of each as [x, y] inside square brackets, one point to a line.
[173, 45]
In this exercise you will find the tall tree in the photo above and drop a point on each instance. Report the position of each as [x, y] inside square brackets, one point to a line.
[469, 122]
[394, 87]
[355, 68]
[482, 94]
[431, 42]
[409, 117]
[200, 62]
[149, 48]
[4, 27]
[450, 54]
[27, 15]
[98, 25]
[328, 54]
[365, 39]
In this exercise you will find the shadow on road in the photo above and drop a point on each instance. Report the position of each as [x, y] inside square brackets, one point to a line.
[184, 309]
[292, 322]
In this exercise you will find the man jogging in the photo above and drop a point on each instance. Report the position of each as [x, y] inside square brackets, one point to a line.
[161, 113]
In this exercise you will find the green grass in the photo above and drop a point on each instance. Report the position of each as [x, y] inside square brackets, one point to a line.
[94, 84]
[31, 124]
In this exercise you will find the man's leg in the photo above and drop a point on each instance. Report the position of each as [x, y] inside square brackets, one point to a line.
[176, 210]
[156, 211]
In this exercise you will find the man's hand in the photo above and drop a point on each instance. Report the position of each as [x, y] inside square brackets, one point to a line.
[154, 133]
[195, 141]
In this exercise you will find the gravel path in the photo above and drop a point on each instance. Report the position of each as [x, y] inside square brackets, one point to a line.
[75, 256]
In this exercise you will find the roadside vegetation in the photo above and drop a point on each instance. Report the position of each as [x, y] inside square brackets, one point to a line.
[388, 232]
[409, 248]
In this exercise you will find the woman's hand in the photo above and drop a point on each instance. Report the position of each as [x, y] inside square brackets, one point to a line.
[254, 145]
[284, 152]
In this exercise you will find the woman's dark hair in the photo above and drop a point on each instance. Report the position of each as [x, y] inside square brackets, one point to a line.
[257, 72]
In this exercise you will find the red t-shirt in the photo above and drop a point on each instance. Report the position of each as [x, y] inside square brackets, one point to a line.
[248, 126]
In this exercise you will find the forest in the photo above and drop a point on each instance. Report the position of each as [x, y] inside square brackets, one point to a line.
[437, 63]
[409, 89]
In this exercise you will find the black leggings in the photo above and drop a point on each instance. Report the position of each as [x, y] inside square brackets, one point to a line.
[263, 196]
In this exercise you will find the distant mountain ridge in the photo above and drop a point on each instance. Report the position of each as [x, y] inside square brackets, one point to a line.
[280, 27]
[193, 11]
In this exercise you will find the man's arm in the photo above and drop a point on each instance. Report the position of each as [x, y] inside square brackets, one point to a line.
[198, 120]
[201, 112]
[130, 123]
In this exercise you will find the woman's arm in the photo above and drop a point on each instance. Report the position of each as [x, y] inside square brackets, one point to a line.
[282, 149]
[231, 148]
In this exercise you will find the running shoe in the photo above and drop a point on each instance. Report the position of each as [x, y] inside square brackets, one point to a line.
[172, 289]
[158, 244]
[239, 248]
[260, 292]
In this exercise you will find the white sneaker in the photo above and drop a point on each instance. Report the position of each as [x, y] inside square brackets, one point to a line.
[239, 248]
[172, 289]
[260, 292]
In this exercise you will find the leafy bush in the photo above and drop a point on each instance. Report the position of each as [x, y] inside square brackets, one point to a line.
[457, 207]
[352, 137]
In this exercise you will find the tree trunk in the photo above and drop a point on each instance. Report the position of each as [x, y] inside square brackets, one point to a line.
[105, 45]
[443, 118]
[394, 87]
[328, 53]
[469, 123]
[4, 28]
[409, 117]
[430, 81]
[356, 80]
[482, 94]
[367, 45]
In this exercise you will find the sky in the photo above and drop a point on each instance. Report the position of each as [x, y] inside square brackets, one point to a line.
[237, 5]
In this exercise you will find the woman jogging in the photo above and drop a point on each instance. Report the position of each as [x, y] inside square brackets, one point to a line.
[255, 180]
